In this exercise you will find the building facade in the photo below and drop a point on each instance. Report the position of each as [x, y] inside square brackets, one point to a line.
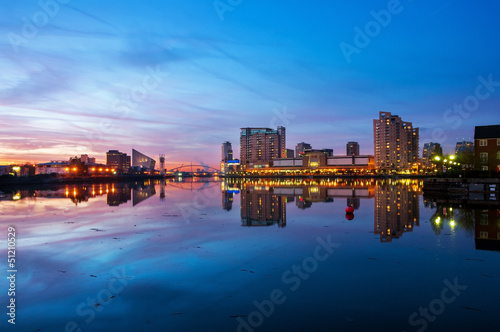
[352, 149]
[226, 151]
[86, 159]
[318, 160]
[395, 142]
[487, 147]
[259, 146]
[430, 150]
[118, 160]
[301, 147]
[464, 147]
[142, 161]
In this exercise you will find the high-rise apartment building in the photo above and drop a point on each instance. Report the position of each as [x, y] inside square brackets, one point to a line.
[352, 149]
[301, 147]
[430, 150]
[118, 160]
[282, 141]
[395, 142]
[226, 151]
[259, 146]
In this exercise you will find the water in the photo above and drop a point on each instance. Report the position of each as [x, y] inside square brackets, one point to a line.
[262, 255]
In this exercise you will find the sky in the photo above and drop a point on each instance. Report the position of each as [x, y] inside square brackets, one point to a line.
[180, 77]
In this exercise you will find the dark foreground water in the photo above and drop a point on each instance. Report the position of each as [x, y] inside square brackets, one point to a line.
[255, 256]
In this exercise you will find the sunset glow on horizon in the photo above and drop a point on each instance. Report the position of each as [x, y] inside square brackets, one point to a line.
[181, 77]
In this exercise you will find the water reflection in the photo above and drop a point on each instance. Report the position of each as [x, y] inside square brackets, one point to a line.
[115, 193]
[481, 221]
[396, 210]
[264, 202]
[261, 206]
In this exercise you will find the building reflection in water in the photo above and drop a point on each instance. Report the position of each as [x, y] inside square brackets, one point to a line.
[119, 194]
[481, 220]
[487, 229]
[142, 192]
[227, 195]
[263, 203]
[396, 209]
[116, 193]
[260, 206]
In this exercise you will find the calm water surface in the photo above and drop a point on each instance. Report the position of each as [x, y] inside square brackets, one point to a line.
[250, 256]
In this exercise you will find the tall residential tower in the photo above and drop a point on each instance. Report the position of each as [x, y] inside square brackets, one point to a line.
[259, 146]
[395, 142]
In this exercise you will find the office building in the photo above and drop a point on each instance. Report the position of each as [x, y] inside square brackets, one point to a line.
[395, 142]
[259, 146]
[290, 153]
[487, 147]
[86, 159]
[352, 149]
[142, 161]
[118, 160]
[430, 150]
[226, 151]
[301, 147]
[464, 147]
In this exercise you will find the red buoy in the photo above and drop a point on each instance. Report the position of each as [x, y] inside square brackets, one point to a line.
[349, 216]
[349, 209]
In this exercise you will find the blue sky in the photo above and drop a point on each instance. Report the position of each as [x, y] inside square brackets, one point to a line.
[181, 77]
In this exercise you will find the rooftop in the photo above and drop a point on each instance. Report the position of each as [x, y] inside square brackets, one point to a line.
[482, 132]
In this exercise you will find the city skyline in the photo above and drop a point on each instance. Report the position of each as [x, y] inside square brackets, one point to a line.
[86, 77]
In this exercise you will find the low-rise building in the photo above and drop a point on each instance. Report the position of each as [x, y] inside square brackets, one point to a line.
[54, 166]
[487, 147]
[318, 160]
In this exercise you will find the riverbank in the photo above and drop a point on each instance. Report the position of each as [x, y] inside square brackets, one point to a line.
[463, 190]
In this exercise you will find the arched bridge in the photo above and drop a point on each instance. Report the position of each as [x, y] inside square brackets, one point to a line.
[192, 170]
